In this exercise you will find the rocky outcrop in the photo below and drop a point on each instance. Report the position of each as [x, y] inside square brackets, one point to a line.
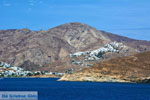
[134, 68]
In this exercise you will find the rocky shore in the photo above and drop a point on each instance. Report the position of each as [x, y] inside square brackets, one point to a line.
[134, 69]
[99, 78]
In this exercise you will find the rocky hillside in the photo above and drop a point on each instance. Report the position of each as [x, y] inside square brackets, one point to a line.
[80, 60]
[45, 50]
[135, 68]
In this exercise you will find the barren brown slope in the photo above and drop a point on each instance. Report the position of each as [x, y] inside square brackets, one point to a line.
[36, 50]
[140, 45]
[127, 69]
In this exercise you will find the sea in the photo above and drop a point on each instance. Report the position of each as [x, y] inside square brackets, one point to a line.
[51, 89]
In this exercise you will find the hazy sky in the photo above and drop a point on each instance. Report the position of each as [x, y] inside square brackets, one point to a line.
[124, 17]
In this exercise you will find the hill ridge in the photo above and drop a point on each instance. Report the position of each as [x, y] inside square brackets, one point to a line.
[42, 49]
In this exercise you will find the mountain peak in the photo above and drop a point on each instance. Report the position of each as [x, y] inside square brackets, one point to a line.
[80, 35]
[74, 25]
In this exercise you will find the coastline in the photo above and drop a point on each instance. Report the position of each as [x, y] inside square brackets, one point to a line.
[59, 79]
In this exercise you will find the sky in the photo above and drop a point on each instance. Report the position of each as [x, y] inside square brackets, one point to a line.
[130, 18]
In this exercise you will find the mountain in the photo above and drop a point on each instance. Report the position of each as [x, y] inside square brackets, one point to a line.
[47, 50]
[135, 68]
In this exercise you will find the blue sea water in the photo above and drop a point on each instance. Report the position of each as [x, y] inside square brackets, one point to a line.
[50, 89]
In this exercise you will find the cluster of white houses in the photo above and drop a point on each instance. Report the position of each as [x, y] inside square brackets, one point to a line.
[98, 53]
[6, 70]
